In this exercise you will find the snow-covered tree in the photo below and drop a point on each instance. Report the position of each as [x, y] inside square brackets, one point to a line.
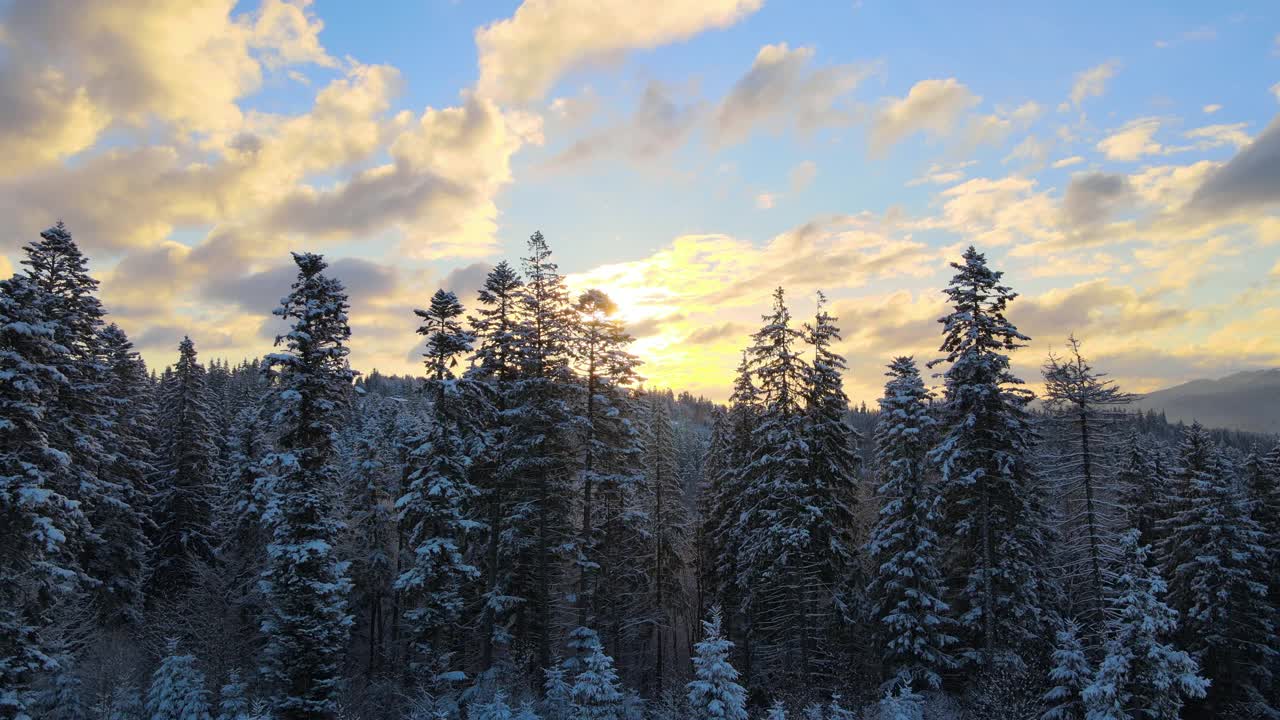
[1083, 408]
[433, 508]
[667, 530]
[714, 693]
[596, 692]
[189, 472]
[126, 703]
[495, 709]
[1141, 487]
[40, 528]
[233, 702]
[906, 588]
[901, 703]
[306, 623]
[777, 711]
[177, 689]
[994, 511]
[1142, 676]
[526, 711]
[1218, 566]
[557, 694]
[1070, 675]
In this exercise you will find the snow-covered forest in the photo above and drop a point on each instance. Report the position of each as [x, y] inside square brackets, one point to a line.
[531, 530]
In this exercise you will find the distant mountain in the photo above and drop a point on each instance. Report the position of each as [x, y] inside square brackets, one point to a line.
[1244, 401]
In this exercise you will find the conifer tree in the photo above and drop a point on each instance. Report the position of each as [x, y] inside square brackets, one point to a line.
[714, 693]
[177, 689]
[1084, 407]
[835, 583]
[123, 523]
[994, 512]
[906, 589]
[496, 365]
[596, 692]
[1141, 488]
[189, 474]
[232, 701]
[1141, 675]
[1218, 569]
[901, 703]
[668, 520]
[306, 623]
[433, 506]
[1070, 675]
[40, 528]
[609, 440]
[777, 711]
[557, 693]
[537, 452]
[126, 703]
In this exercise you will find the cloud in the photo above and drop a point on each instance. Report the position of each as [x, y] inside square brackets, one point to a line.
[802, 175]
[1092, 198]
[1211, 136]
[766, 201]
[1068, 161]
[1211, 108]
[75, 69]
[942, 174]
[1250, 180]
[657, 127]
[466, 281]
[781, 89]
[1092, 82]
[716, 333]
[1132, 141]
[931, 106]
[261, 292]
[521, 57]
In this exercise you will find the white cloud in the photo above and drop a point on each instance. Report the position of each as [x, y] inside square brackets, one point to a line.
[766, 201]
[932, 106]
[521, 57]
[1092, 82]
[802, 175]
[1211, 109]
[1132, 141]
[1068, 161]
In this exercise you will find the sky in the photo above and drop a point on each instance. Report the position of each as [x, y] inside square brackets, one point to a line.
[1120, 162]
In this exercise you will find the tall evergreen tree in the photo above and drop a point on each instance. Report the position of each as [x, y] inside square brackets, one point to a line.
[433, 507]
[906, 589]
[1084, 407]
[306, 624]
[1070, 675]
[496, 365]
[1142, 676]
[1141, 488]
[177, 689]
[994, 511]
[189, 474]
[714, 692]
[40, 528]
[668, 521]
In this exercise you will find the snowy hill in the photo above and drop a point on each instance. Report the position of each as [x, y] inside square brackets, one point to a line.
[1243, 401]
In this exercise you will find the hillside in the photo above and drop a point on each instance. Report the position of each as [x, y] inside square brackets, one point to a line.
[1243, 401]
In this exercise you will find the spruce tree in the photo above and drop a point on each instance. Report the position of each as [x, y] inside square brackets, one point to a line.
[668, 520]
[189, 474]
[177, 689]
[596, 692]
[123, 523]
[433, 508]
[994, 512]
[306, 623]
[1083, 408]
[714, 693]
[1142, 676]
[495, 365]
[906, 589]
[1070, 675]
[557, 694]
[232, 701]
[1141, 488]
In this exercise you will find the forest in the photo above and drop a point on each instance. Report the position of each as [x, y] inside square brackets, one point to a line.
[529, 530]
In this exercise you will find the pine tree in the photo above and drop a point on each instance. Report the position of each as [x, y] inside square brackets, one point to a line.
[189, 474]
[1142, 676]
[901, 704]
[306, 623]
[777, 711]
[1083, 407]
[907, 587]
[526, 711]
[537, 453]
[774, 527]
[433, 506]
[1070, 675]
[39, 527]
[126, 703]
[596, 692]
[1141, 488]
[714, 693]
[557, 694]
[374, 525]
[994, 513]
[668, 519]
[123, 523]
[63, 698]
[495, 709]
[177, 689]
[1218, 569]
[232, 701]
[833, 582]
[609, 440]
[495, 365]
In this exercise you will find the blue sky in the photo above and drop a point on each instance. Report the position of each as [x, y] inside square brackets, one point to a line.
[686, 157]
